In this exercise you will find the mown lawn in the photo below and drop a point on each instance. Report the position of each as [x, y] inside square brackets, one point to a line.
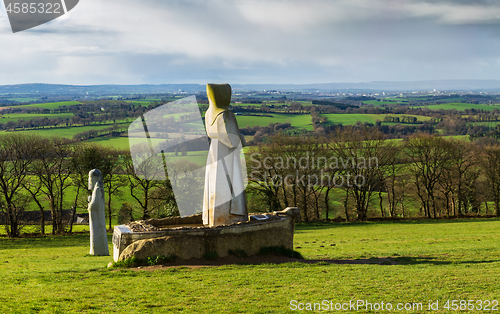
[411, 262]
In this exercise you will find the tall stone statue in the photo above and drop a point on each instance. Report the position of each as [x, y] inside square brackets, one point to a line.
[97, 218]
[224, 198]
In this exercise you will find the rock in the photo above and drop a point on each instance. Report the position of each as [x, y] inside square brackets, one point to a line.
[187, 243]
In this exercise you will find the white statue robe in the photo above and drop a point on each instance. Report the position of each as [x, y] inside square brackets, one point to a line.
[225, 176]
[97, 223]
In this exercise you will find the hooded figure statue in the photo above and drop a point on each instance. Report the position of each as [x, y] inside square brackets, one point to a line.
[225, 177]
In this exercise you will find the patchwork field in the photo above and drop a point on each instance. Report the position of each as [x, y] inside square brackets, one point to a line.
[406, 264]
[353, 118]
[297, 120]
[23, 99]
[28, 116]
[53, 105]
[68, 132]
[385, 102]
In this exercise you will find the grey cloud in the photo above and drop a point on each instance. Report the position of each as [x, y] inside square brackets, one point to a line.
[257, 41]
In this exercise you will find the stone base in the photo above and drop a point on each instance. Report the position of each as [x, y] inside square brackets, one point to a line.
[186, 242]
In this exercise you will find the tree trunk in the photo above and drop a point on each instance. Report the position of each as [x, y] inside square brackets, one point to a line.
[380, 203]
[73, 212]
[346, 200]
[327, 199]
[109, 209]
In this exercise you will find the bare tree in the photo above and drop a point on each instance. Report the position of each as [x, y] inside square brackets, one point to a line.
[17, 153]
[143, 179]
[53, 169]
[361, 154]
[108, 161]
[428, 158]
[459, 175]
[490, 162]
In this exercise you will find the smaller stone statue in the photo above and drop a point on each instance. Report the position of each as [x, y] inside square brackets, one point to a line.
[97, 218]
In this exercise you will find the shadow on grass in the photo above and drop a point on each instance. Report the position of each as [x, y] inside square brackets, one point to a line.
[288, 262]
[48, 241]
[403, 260]
[306, 226]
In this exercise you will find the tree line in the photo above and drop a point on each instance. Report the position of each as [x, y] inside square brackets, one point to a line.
[356, 173]
[38, 171]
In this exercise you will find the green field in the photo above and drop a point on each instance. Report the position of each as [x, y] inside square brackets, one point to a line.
[52, 105]
[385, 102]
[353, 118]
[144, 102]
[409, 263]
[28, 116]
[461, 106]
[23, 99]
[67, 132]
[297, 120]
[120, 143]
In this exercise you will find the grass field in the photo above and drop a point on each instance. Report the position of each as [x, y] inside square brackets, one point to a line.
[120, 143]
[144, 102]
[408, 262]
[68, 132]
[462, 106]
[385, 102]
[23, 99]
[4, 118]
[52, 105]
[297, 120]
[353, 118]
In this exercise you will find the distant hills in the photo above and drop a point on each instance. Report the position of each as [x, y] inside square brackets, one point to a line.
[441, 85]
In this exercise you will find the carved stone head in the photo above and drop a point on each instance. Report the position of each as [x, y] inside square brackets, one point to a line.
[95, 176]
[219, 95]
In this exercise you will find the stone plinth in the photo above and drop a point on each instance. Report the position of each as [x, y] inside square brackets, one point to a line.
[190, 239]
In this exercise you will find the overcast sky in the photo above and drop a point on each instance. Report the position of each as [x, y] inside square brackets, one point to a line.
[256, 41]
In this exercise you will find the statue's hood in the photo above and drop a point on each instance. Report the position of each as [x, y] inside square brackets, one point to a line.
[219, 97]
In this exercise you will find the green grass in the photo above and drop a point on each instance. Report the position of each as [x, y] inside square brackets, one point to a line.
[428, 260]
[67, 132]
[353, 118]
[384, 102]
[114, 142]
[144, 102]
[297, 120]
[52, 105]
[4, 118]
[23, 99]
[382, 116]
[348, 118]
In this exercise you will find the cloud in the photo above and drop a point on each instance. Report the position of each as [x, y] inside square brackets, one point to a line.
[256, 41]
[461, 12]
